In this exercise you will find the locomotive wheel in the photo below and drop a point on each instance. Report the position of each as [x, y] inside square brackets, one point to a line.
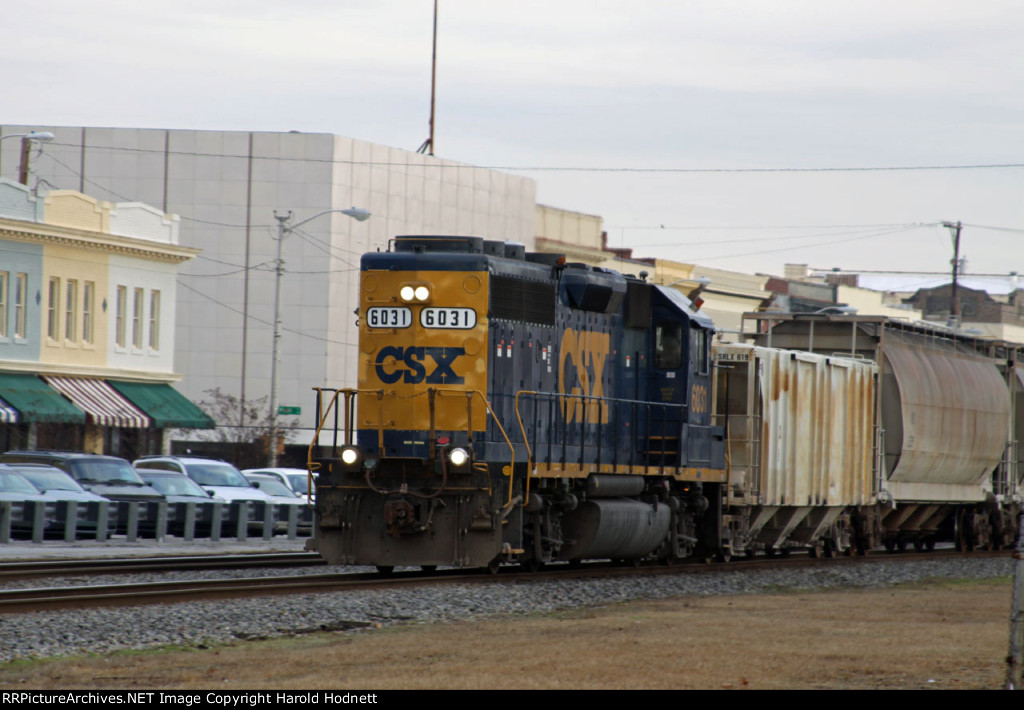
[816, 551]
[723, 556]
[532, 565]
[385, 570]
[494, 565]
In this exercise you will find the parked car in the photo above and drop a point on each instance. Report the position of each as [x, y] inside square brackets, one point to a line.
[295, 478]
[283, 495]
[23, 496]
[107, 476]
[180, 490]
[62, 488]
[216, 477]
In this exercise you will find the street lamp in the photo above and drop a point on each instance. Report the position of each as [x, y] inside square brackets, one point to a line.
[26, 148]
[283, 228]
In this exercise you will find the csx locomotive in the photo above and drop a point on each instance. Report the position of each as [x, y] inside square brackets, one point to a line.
[514, 407]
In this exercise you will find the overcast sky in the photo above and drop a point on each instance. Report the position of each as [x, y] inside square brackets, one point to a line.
[742, 89]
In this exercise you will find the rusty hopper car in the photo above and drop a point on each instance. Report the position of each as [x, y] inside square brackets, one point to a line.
[799, 449]
[511, 406]
[949, 411]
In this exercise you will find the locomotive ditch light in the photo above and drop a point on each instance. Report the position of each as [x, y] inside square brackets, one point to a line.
[458, 457]
[351, 456]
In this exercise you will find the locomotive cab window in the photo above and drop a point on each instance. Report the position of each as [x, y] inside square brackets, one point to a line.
[668, 345]
[701, 350]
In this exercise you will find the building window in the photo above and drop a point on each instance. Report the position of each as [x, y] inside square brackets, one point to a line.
[137, 319]
[88, 306]
[122, 305]
[53, 309]
[71, 310]
[154, 320]
[3, 303]
[20, 304]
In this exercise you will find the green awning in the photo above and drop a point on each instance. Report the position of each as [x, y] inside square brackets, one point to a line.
[164, 405]
[36, 401]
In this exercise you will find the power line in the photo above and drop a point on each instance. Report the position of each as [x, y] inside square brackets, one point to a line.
[556, 168]
[762, 238]
[799, 246]
[260, 320]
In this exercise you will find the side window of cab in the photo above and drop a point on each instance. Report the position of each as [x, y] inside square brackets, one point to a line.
[701, 350]
[668, 345]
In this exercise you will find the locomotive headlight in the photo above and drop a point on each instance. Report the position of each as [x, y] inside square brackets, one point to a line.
[415, 292]
[350, 456]
[458, 457]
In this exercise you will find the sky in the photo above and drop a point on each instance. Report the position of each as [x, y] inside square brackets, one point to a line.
[737, 134]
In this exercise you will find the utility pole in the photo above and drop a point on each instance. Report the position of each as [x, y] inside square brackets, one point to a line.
[954, 300]
[275, 348]
[283, 228]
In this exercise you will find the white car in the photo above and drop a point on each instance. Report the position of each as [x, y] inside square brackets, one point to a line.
[296, 479]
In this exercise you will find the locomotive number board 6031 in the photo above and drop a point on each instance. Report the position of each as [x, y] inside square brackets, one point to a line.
[463, 318]
[388, 317]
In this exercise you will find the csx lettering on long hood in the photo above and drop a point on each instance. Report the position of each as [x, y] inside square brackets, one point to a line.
[581, 372]
[415, 365]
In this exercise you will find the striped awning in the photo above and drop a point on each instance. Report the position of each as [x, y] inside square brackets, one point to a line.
[99, 401]
[8, 414]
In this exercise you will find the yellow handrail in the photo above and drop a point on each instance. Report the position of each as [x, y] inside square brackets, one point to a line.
[322, 417]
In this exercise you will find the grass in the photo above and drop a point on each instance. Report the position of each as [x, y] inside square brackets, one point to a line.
[949, 634]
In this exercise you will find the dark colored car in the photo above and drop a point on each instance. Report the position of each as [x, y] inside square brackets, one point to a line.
[107, 476]
[179, 491]
[59, 487]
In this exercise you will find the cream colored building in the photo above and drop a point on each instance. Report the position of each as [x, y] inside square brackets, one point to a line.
[87, 291]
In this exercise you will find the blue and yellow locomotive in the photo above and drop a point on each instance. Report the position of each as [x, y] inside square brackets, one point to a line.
[512, 407]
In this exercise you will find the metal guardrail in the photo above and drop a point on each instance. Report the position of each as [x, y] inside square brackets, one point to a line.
[71, 521]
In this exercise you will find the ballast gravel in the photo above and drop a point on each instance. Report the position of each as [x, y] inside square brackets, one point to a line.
[48, 634]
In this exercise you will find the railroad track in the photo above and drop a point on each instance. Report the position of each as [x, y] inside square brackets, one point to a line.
[10, 571]
[166, 592]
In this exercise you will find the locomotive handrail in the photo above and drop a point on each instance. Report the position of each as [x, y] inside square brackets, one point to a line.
[432, 393]
[512, 450]
[555, 396]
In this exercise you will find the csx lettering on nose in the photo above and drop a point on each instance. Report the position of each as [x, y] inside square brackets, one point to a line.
[414, 365]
